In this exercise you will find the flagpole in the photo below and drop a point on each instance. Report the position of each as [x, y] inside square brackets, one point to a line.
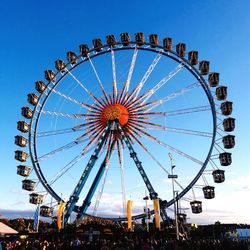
[172, 176]
[51, 208]
[36, 219]
[146, 198]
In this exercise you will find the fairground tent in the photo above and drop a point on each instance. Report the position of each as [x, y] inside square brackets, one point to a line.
[4, 229]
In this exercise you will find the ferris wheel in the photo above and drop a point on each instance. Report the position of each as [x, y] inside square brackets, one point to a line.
[100, 129]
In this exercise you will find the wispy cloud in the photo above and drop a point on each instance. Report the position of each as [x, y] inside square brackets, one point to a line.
[231, 204]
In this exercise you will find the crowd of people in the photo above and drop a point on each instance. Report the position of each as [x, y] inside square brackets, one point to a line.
[104, 234]
[128, 241]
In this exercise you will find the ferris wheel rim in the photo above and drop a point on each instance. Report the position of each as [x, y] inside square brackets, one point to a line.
[170, 54]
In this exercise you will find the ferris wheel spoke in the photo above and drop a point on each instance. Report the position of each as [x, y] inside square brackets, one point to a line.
[109, 140]
[114, 92]
[69, 165]
[130, 73]
[131, 69]
[95, 138]
[105, 145]
[114, 75]
[151, 155]
[167, 98]
[92, 119]
[151, 124]
[88, 125]
[176, 94]
[62, 148]
[132, 130]
[67, 97]
[100, 190]
[152, 138]
[61, 114]
[91, 131]
[93, 135]
[122, 144]
[139, 107]
[180, 153]
[160, 84]
[93, 109]
[99, 81]
[178, 130]
[85, 126]
[120, 159]
[129, 97]
[181, 111]
[85, 89]
[124, 94]
[89, 118]
[158, 114]
[139, 117]
[136, 123]
[58, 132]
[86, 115]
[148, 73]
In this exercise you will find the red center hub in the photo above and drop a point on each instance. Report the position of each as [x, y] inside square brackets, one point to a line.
[115, 111]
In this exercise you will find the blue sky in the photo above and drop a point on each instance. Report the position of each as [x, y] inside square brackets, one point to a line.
[34, 35]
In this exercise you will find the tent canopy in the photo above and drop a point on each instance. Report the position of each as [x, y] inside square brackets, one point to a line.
[4, 229]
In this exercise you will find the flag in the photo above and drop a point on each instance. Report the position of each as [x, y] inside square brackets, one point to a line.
[172, 160]
[60, 210]
[129, 208]
[157, 213]
[36, 219]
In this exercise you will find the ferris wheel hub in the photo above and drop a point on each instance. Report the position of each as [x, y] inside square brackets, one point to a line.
[113, 112]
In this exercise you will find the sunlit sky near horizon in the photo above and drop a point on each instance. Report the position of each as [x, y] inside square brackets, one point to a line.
[35, 34]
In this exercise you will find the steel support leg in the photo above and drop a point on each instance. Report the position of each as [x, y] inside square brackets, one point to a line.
[133, 155]
[75, 195]
[152, 193]
[86, 203]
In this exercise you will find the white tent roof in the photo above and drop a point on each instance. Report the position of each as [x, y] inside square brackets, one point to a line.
[4, 229]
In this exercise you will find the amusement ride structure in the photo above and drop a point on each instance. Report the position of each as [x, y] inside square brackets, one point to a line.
[100, 127]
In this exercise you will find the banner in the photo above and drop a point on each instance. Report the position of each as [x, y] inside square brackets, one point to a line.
[157, 213]
[36, 219]
[60, 210]
[129, 210]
